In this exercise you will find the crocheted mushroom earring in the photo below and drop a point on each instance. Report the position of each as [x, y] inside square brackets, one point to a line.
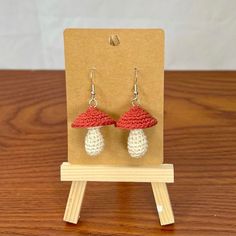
[93, 119]
[135, 120]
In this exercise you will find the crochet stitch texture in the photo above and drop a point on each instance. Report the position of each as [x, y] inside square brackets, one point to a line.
[137, 143]
[136, 118]
[92, 117]
[94, 142]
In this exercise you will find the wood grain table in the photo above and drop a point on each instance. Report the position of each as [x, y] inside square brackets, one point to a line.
[200, 140]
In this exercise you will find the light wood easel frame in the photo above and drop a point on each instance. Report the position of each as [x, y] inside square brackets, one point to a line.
[81, 174]
[86, 47]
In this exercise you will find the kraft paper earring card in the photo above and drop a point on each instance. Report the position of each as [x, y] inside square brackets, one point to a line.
[115, 54]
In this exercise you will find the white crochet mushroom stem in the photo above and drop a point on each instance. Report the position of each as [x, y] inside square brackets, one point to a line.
[137, 143]
[94, 142]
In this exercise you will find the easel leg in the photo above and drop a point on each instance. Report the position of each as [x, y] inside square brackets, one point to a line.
[74, 201]
[163, 203]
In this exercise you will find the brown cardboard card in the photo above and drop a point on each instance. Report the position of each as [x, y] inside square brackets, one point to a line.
[88, 48]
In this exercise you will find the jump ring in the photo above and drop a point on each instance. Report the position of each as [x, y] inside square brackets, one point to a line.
[93, 102]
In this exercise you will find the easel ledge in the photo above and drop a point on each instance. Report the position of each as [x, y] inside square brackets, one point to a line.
[79, 175]
[160, 173]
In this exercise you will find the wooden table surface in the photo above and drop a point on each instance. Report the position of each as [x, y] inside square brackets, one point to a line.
[200, 140]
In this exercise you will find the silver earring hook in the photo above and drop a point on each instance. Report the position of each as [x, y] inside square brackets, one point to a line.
[135, 100]
[92, 101]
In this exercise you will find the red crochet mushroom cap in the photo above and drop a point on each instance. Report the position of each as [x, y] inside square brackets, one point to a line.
[136, 118]
[91, 118]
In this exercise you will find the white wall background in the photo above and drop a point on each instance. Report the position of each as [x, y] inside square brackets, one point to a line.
[200, 34]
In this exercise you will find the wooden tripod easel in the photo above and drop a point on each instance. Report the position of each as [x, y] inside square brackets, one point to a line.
[115, 53]
[79, 175]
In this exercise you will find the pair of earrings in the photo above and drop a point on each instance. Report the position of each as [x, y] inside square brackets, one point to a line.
[135, 120]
